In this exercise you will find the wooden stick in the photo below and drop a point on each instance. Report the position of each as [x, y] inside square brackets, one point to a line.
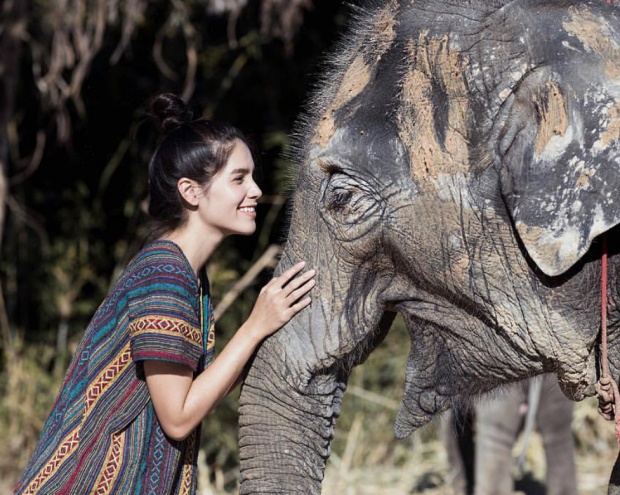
[373, 397]
[268, 259]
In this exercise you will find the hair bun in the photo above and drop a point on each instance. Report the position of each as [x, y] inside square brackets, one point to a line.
[169, 112]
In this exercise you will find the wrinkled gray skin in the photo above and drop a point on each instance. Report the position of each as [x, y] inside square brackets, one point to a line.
[458, 162]
[480, 441]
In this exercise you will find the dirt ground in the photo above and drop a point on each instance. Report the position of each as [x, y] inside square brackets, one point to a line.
[432, 479]
[427, 471]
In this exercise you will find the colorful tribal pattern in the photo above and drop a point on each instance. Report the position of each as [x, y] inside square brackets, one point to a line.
[169, 326]
[102, 436]
[65, 449]
[106, 379]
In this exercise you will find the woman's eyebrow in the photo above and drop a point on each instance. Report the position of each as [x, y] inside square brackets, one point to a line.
[240, 171]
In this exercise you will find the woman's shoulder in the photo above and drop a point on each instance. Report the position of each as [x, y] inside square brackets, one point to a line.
[160, 258]
[161, 249]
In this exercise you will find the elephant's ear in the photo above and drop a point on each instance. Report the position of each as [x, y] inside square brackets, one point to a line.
[559, 154]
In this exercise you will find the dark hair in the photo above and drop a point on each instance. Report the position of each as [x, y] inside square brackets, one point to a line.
[193, 148]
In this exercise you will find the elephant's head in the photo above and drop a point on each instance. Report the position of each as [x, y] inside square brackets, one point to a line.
[457, 166]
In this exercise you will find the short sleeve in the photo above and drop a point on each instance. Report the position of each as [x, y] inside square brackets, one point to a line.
[164, 318]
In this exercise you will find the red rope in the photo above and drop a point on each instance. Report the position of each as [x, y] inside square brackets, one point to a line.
[607, 388]
[604, 362]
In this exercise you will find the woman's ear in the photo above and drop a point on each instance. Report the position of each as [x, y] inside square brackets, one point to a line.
[187, 190]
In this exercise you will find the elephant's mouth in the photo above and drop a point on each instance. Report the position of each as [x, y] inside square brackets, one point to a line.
[457, 355]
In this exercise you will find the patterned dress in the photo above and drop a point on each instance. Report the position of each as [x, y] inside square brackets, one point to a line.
[102, 436]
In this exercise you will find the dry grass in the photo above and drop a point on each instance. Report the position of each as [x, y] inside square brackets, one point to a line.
[366, 459]
[419, 465]
[425, 469]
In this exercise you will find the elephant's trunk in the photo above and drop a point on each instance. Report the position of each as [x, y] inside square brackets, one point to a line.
[285, 436]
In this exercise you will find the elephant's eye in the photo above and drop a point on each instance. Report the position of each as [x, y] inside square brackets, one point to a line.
[349, 200]
[352, 205]
[339, 193]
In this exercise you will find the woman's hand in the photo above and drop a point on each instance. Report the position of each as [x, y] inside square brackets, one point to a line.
[180, 401]
[281, 299]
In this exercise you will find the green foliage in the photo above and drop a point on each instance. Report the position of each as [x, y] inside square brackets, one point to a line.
[28, 390]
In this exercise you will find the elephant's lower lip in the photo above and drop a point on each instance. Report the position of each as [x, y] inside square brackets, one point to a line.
[579, 394]
[581, 387]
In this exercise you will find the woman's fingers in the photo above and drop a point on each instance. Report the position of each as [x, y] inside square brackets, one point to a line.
[283, 297]
[299, 281]
[286, 277]
[300, 290]
[298, 306]
[294, 285]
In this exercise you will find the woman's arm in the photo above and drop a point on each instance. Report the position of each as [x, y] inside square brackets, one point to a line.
[181, 402]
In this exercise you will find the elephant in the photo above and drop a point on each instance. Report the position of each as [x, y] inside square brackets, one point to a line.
[457, 164]
[480, 441]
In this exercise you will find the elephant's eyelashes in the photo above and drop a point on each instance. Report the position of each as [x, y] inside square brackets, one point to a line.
[340, 199]
[351, 205]
[340, 193]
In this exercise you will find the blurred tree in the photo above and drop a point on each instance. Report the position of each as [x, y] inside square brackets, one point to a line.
[73, 67]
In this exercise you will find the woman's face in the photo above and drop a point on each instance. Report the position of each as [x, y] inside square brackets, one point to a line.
[229, 202]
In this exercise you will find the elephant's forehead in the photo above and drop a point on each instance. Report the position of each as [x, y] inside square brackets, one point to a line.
[355, 79]
[432, 124]
[363, 59]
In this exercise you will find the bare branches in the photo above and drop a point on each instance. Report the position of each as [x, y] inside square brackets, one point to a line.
[26, 167]
[282, 18]
[71, 36]
[267, 260]
[134, 10]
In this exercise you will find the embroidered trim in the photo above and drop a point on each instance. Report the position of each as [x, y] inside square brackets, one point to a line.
[170, 326]
[112, 465]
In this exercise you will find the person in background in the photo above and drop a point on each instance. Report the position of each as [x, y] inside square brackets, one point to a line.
[127, 417]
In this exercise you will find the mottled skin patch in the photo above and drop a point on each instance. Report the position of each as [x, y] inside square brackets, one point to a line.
[584, 179]
[384, 32]
[612, 132]
[529, 235]
[591, 31]
[594, 34]
[353, 83]
[360, 71]
[553, 118]
[432, 65]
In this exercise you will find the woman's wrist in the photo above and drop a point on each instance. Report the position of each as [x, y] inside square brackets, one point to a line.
[251, 332]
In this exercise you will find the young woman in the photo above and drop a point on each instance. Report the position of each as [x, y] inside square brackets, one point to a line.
[126, 420]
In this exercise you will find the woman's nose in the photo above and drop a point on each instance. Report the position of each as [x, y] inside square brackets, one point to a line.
[255, 191]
